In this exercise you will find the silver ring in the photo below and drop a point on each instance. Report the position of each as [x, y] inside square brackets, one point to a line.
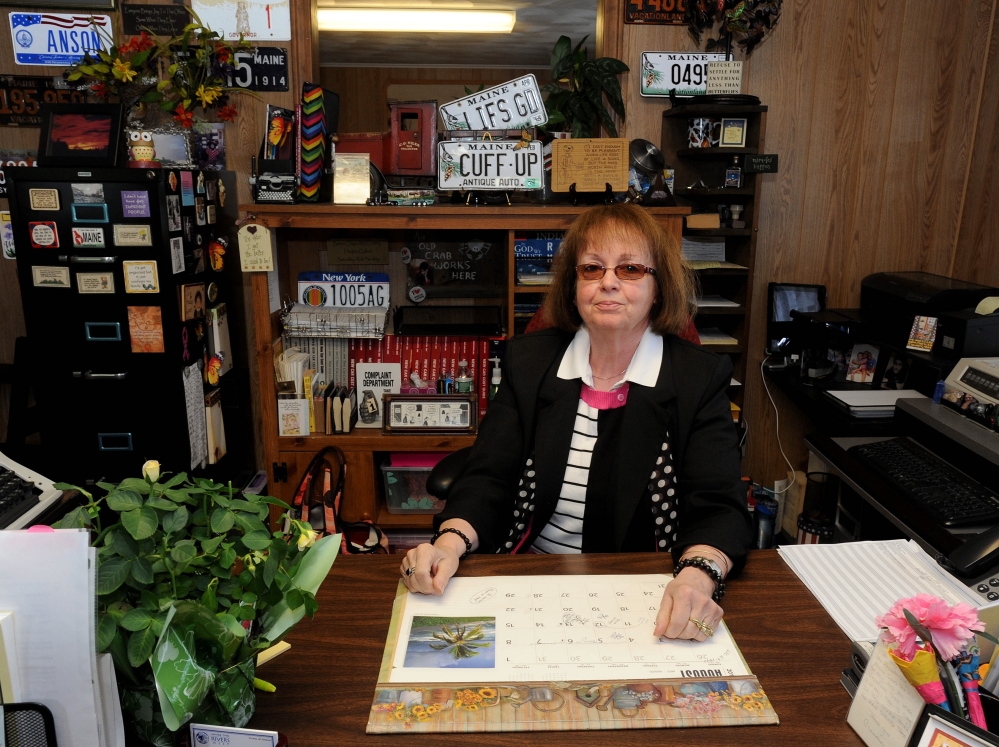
[410, 571]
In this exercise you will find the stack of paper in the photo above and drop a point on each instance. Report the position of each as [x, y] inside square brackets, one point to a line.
[703, 248]
[871, 403]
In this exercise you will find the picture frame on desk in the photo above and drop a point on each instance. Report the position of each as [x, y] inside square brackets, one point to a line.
[430, 413]
[939, 728]
[733, 132]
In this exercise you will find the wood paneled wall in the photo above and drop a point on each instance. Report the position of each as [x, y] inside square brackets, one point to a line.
[884, 115]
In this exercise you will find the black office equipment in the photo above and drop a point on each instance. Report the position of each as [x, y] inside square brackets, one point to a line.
[23, 494]
[965, 334]
[782, 299]
[27, 725]
[950, 496]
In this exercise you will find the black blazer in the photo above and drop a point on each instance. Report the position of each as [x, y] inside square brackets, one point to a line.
[533, 415]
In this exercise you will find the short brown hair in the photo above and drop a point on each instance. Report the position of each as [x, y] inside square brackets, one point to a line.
[675, 283]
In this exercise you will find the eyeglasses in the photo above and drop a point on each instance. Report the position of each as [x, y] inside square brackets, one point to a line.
[626, 271]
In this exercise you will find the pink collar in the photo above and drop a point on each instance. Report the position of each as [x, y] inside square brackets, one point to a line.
[605, 400]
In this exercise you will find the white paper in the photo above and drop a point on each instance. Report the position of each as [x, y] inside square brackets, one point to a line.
[197, 428]
[873, 397]
[858, 581]
[107, 681]
[586, 628]
[886, 707]
[46, 586]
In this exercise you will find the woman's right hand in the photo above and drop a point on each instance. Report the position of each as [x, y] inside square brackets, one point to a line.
[427, 568]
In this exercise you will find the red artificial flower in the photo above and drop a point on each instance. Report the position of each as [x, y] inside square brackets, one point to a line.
[101, 90]
[142, 42]
[228, 113]
[222, 52]
[183, 116]
[128, 47]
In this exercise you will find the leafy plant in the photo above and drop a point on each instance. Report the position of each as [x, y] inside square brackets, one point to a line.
[191, 582]
[460, 642]
[579, 85]
[751, 19]
[180, 74]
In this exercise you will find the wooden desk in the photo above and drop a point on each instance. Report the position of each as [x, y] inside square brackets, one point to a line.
[326, 682]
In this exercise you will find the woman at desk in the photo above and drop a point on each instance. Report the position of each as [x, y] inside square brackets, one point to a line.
[608, 433]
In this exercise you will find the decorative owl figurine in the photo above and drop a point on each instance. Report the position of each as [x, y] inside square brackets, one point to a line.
[141, 146]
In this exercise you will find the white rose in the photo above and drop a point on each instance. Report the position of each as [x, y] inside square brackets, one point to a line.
[151, 470]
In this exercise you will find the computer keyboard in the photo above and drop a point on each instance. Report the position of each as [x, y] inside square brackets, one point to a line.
[23, 494]
[951, 497]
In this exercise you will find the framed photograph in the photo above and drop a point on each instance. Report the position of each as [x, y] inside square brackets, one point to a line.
[86, 135]
[895, 372]
[430, 413]
[862, 364]
[939, 728]
[733, 132]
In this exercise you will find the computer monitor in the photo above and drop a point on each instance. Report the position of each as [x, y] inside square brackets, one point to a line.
[782, 299]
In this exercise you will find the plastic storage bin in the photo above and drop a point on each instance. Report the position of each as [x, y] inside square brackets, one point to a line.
[405, 479]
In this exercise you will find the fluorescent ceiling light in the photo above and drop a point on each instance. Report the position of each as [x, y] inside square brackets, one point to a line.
[417, 19]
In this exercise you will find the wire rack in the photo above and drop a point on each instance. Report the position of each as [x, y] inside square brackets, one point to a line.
[331, 321]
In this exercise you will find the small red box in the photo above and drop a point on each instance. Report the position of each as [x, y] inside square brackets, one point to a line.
[411, 145]
[363, 142]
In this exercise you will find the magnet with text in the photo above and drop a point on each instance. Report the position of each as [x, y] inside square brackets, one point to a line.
[256, 248]
[88, 238]
[135, 203]
[44, 234]
[95, 282]
[50, 277]
[141, 277]
[126, 234]
[145, 329]
[43, 199]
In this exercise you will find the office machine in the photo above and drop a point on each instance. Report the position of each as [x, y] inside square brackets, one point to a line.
[782, 300]
[893, 299]
[967, 334]
[24, 494]
[978, 377]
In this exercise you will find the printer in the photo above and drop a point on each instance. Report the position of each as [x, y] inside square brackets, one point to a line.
[891, 300]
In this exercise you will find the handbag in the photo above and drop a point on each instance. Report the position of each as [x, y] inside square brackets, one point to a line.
[317, 502]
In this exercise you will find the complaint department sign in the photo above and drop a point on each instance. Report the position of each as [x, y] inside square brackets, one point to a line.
[57, 39]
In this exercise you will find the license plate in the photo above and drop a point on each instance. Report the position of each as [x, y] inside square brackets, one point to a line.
[262, 69]
[344, 289]
[512, 105]
[23, 97]
[489, 164]
[687, 72]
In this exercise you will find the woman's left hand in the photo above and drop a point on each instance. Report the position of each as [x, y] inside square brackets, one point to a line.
[688, 598]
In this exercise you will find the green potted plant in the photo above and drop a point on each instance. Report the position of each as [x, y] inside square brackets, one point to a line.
[579, 87]
[191, 585]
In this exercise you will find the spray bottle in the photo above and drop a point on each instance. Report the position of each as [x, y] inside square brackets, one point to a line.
[494, 382]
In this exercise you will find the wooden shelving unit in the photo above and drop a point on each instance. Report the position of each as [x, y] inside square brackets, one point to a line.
[298, 225]
[697, 166]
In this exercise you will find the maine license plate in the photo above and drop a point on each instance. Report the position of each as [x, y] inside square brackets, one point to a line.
[512, 105]
[687, 72]
[489, 164]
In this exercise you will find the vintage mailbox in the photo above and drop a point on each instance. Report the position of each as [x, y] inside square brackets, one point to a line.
[411, 147]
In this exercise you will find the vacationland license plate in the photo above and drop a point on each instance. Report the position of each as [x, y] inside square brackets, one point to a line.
[686, 72]
[489, 164]
[513, 105]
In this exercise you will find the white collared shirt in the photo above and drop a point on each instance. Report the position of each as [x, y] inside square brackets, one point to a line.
[643, 369]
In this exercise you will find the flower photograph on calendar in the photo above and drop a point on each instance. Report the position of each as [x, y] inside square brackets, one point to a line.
[441, 642]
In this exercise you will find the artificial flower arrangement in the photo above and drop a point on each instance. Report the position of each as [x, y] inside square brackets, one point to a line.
[934, 645]
[180, 74]
[191, 585]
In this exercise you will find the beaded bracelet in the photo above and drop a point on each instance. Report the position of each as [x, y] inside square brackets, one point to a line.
[701, 563]
[441, 532]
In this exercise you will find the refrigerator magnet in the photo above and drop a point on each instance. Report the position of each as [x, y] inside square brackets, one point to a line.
[211, 189]
[87, 192]
[145, 329]
[88, 238]
[186, 188]
[177, 255]
[199, 211]
[90, 213]
[50, 277]
[95, 282]
[210, 212]
[43, 199]
[135, 203]
[141, 277]
[201, 183]
[173, 213]
[44, 235]
[172, 181]
[129, 235]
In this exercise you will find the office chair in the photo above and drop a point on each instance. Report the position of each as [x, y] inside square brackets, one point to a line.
[448, 469]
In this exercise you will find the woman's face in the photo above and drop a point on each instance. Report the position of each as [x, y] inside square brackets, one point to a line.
[610, 303]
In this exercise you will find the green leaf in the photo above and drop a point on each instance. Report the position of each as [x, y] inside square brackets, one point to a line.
[239, 504]
[294, 598]
[120, 656]
[561, 57]
[311, 605]
[137, 619]
[176, 520]
[111, 573]
[175, 480]
[228, 557]
[142, 571]
[75, 519]
[232, 624]
[183, 553]
[274, 501]
[124, 500]
[250, 523]
[122, 544]
[164, 504]
[210, 600]
[222, 520]
[135, 483]
[74, 76]
[199, 518]
[256, 540]
[140, 647]
[209, 546]
[106, 628]
[106, 486]
[140, 522]
[179, 496]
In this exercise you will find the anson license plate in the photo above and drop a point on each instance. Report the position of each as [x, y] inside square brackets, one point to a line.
[512, 105]
[489, 164]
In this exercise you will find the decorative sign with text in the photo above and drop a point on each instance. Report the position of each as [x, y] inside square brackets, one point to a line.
[442, 266]
[159, 20]
[655, 12]
[590, 164]
[256, 248]
[724, 77]
[760, 163]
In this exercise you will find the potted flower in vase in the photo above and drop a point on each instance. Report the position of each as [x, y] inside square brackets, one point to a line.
[191, 585]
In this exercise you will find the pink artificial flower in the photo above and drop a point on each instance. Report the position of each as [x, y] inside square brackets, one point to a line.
[951, 627]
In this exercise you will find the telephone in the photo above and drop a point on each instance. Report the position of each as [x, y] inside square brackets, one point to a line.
[977, 554]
